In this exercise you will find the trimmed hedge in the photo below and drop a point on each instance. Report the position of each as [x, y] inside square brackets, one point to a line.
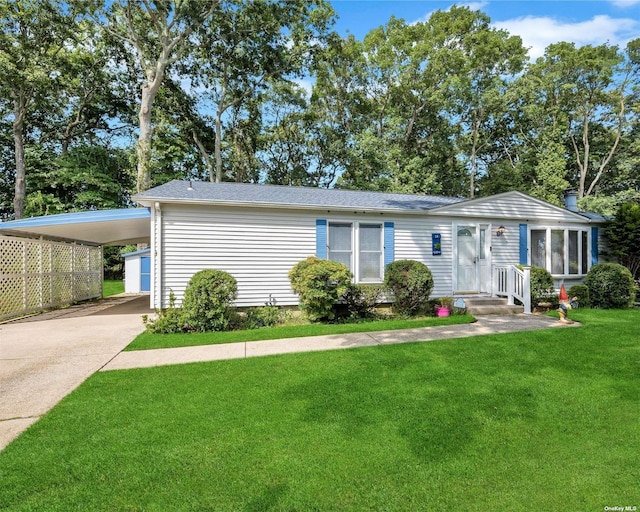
[581, 293]
[411, 283]
[542, 287]
[207, 301]
[610, 286]
[320, 285]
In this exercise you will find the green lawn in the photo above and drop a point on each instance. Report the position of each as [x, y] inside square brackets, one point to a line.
[542, 420]
[147, 340]
[112, 287]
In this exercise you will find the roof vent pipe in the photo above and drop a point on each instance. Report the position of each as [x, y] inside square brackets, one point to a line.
[190, 187]
[571, 200]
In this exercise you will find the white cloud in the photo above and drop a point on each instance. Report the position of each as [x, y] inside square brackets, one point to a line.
[539, 32]
[473, 6]
[624, 3]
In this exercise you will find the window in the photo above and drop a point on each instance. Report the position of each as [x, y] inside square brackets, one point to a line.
[539, 248]
[365, 260]
[560, 251]
[370, 252]
[340, 242]
[557, 251]
[585, 253]
[573, 252]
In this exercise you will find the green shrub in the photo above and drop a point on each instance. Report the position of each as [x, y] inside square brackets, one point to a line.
[361, 299]
[581, 294]
[320, 285]
[167, 321]
[610, 286]
[267, 316]
[542, 287]
[411, 283]
[207, 301]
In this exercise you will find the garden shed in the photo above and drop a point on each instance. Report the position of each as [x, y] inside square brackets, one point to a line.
[137, 271]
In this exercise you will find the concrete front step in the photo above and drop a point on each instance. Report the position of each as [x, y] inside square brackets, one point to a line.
[490, 306]
[495, 310]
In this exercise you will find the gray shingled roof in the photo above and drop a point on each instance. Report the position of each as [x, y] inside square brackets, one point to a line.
[283, 196]
[595, 216]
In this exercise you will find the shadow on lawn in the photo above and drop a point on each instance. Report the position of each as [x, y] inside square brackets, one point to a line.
[438, 409]
[268, 499]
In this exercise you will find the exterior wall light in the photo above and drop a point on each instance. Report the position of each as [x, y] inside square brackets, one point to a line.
[500, 231]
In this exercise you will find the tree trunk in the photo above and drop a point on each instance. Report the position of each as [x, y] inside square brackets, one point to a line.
[19, 109]
[218, 146]
[150, 89]
[474, 149]
[144, 139]
[205, 155]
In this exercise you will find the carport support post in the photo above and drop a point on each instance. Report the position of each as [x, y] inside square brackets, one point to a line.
[73, 272]
[25, 278]
[41, 274]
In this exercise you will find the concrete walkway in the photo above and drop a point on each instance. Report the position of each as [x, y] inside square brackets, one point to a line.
[489, 324]
[45, 357]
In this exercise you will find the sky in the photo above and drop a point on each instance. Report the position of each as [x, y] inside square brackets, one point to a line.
[538, 22]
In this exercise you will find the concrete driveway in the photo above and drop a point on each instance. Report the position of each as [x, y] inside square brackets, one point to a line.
[45, 357]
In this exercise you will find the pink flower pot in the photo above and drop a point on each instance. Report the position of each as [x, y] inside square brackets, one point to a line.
[440, 311]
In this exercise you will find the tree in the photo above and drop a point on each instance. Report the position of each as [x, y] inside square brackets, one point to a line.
[33, 34]
[381, 99]
[159, 34]
[623, 236]
[86, 177]
[248, 46]
[476, 60]
[584, 94]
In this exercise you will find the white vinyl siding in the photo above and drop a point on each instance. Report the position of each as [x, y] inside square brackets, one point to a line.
[413, 242]
[509, 206]
[257, 247]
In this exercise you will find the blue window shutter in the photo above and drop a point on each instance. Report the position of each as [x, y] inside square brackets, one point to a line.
[594, 246]
[389, 243]
[523, 244]
[321, 238]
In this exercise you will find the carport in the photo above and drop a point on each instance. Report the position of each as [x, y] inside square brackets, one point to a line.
[53, 260]
[98, 227]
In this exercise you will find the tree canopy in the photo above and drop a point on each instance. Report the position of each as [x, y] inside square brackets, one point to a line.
[101, 99]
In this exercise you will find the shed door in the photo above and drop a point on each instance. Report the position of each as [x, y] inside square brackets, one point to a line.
[145, 274]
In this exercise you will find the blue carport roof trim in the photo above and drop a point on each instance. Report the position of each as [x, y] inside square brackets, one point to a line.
[78, 218]
[100, 227]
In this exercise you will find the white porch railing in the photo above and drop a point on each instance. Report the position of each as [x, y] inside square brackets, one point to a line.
[513, 283]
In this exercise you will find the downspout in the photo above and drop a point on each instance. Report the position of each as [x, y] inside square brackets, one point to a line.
[156, 257]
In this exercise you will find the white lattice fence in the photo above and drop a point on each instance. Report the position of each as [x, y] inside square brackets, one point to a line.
[38, 274]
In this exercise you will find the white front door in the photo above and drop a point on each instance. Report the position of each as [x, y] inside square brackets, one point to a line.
[467, 261]
[484, 258]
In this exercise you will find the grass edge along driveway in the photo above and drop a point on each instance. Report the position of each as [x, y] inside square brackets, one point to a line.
[541, 420]
[146, 340]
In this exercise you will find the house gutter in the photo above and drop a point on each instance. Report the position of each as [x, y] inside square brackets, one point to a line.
[146, 201]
